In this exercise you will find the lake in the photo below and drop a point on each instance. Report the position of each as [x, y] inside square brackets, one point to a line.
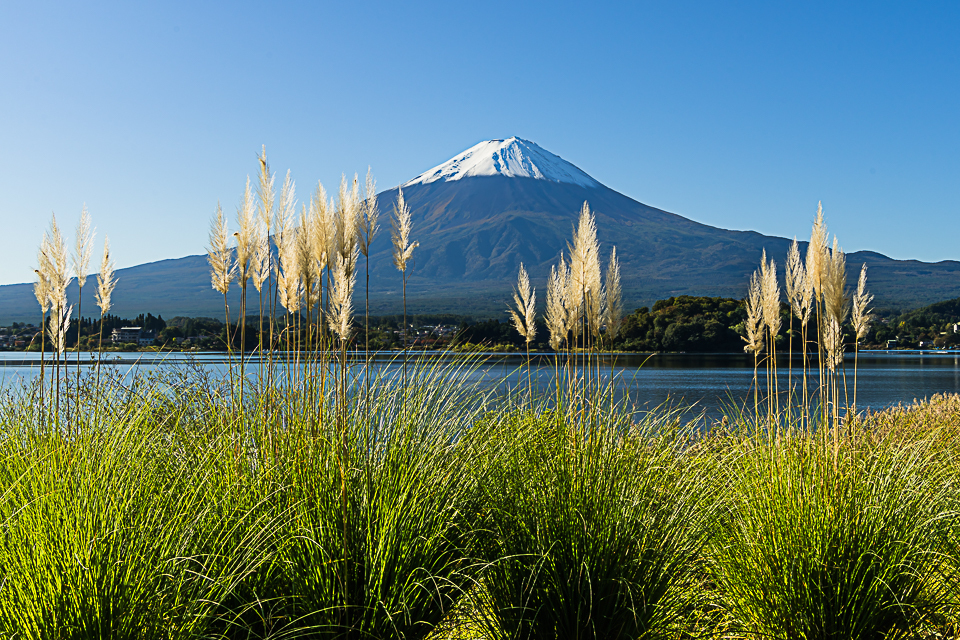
[705, 382]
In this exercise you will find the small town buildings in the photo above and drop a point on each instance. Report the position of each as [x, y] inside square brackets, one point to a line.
[126, 334]
[135, 335]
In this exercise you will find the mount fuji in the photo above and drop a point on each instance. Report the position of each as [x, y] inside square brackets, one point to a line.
[511, 158]
[480, 214]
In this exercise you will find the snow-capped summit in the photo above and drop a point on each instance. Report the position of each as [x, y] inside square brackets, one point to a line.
[513, 157]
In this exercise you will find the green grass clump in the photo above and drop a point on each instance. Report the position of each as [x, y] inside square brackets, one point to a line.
[374, 544]
[817, 545]
[161, 508]
[591, 531]
[110, 532]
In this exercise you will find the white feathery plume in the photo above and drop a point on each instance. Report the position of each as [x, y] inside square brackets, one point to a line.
[105, 279]
[289, 284]
[402, 225]
[614, 314]
[260, 263]
[796, 281]
[524, 318]
[754, 322]
[245, 235]
[286, 211]
[307, 266]
[320, 229]
[218, 254]
[834, 284]
[584, 295]
[267, 193]
[771, 296]
[83, 249]
[328, 218]
[58, 275]
[817, 253]
[41, 288]
[557, 315]
[341, 298]
[348, 223]
[290, 292]
[370, 214]
[58, 279]
[862, 316]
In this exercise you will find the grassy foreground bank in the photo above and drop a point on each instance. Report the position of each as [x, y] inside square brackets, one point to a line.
[161, 509]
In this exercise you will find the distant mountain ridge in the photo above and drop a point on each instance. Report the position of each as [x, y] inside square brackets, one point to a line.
[503, 202]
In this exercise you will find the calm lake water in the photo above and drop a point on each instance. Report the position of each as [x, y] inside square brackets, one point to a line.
[700, 382]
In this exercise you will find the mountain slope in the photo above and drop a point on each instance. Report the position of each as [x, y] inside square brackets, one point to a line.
[475, 232]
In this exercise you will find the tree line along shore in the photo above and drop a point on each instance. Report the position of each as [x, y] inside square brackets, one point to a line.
[693, 324]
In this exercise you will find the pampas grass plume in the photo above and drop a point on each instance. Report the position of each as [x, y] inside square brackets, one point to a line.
[584, 272]
[754, 322]
[370, 214]
[106, 281]
[834, 275]
[319, 229]
[341, 298]
[862, 317]
[260, 265]
[348, 223]
[524, 317]
[57, 266]
[557, 315]
[308, 267]
[796, 282]
[402, 225]
[246, 235]
[41, 288]
[83, 249]
[344, 223]
[267, 193]
[817, 253]
[286, 211]
[771, 296]
[59, 281]
[289, 284]
[218, 254]
[614, 313]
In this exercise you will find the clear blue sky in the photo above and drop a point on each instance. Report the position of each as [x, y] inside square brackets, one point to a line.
[740, 115]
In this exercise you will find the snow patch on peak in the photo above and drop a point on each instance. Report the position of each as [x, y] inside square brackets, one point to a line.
[513, 157]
